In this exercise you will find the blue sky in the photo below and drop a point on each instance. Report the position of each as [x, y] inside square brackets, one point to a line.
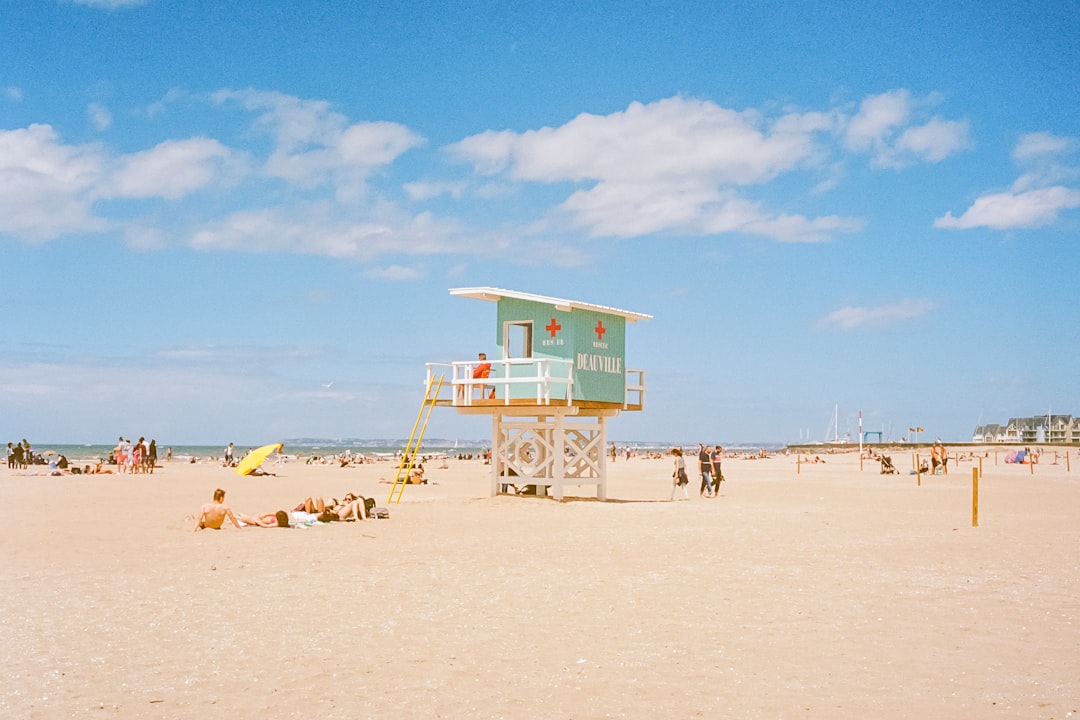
[240, 221]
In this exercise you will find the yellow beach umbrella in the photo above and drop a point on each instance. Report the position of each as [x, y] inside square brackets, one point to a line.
[255, 458]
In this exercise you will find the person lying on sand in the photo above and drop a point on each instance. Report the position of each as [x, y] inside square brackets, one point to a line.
[260, 520]
[350, 508]
[213, 514]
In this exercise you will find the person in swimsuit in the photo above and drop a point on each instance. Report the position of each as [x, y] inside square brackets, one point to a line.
[213, 514]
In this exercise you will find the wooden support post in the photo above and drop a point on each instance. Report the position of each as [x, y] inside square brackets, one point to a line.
[798, 463]
[974, 498]
[1031, 464]
[1068, 466]
[918, 471]
[980, 466]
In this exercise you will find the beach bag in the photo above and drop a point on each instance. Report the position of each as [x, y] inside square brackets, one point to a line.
[380, 512]
[369, 506]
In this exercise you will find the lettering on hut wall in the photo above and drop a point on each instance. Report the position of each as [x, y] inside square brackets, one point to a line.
[592, 362]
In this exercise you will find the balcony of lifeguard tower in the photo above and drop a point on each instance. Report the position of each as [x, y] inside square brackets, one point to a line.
[523, 383]
[550, 353]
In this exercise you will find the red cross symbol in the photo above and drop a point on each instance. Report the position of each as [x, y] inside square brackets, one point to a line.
[553, 328]
[600, 330]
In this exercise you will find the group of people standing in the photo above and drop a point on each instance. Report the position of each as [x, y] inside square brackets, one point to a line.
[19, 455]
[140, 457]
[709, 458]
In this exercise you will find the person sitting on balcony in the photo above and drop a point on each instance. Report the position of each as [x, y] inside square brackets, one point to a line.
[482, 371]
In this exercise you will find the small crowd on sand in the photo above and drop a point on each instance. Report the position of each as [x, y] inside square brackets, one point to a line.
[134, 458]
[21, 455]
[709, 467]
[312, 511]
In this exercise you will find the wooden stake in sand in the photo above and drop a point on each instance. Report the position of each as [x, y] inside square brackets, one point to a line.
[1068, 466]
[974, 497]
[918, 471]
[980, 466]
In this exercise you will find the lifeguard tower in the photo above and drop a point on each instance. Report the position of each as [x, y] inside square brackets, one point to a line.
[558, 374]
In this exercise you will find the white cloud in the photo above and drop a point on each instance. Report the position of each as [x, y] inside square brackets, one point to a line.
[667, 166]
[934, 141]
[394, 272]
[877, 119]
[316, 145]
[321, 229]
[1037, 197]
[849, 318]
[1002, 211]
[428, 190]
[15, 94]
[176, 168]
[46, 187]
[100, 117]
[1037, 145]
[884, 127]
[670, 139]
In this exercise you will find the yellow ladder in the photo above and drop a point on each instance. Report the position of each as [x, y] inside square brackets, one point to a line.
[405, 467]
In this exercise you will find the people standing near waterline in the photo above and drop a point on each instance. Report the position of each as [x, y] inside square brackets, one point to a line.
[935, 458]
[678, 477]
[137, 457]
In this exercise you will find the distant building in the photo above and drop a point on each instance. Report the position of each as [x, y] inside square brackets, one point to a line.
[1056, 429]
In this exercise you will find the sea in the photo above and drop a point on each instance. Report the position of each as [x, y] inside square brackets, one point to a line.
[303, 448]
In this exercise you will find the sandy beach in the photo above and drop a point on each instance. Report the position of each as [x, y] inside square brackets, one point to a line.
[812, 591]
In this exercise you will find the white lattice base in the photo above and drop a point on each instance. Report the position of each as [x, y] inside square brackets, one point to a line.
[549, 451]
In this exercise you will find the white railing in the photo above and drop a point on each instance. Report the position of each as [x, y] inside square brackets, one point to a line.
[635, 388]
[517, 378]
[544, 379]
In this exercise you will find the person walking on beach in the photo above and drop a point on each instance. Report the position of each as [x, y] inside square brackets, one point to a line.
[229, 455]
[717, 473]
[678, 477]
[705, 466]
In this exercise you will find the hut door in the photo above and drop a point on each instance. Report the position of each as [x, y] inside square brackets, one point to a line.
[518, 339]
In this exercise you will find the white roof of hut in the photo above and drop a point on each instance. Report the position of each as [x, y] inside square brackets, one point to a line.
[495, 294]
